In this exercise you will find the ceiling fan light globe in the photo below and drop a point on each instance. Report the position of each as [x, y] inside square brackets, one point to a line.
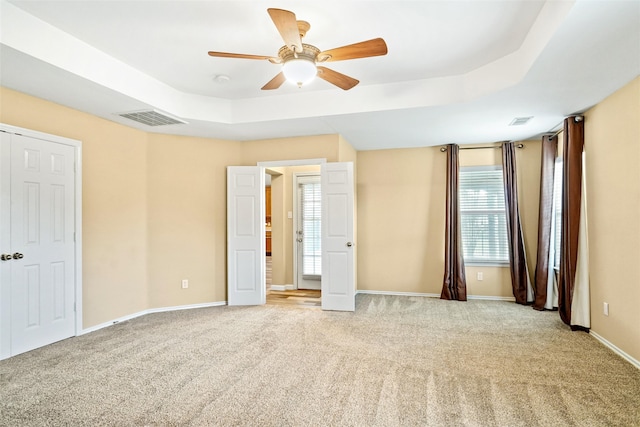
[299, 71]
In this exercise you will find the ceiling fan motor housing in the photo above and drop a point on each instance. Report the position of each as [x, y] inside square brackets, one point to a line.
[309, 52]
[300, 61]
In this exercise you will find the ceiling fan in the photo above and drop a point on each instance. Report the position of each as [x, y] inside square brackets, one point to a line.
[300, 60]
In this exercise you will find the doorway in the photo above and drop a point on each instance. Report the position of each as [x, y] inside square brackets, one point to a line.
[246, 278]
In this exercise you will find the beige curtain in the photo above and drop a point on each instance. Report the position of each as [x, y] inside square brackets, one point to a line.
[454, 285]
[573, 283]
[544, 260]
[581, 301]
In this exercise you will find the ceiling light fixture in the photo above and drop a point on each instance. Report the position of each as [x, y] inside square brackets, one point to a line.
[299, 70]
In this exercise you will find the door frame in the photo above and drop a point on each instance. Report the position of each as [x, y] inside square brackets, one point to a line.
[288, 163]
[5, 329]
[296, 213]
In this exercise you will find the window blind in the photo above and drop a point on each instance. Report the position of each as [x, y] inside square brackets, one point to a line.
[310, 209]
[482, 215]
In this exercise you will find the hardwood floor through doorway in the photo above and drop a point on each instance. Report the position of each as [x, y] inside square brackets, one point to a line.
[297, 297]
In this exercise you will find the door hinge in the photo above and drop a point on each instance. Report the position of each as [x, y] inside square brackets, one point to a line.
[74, 306]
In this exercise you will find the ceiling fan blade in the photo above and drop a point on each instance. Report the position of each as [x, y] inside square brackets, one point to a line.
[242, 55]
[374, 47]
[336, 78]
[287, 26]
[275, 82]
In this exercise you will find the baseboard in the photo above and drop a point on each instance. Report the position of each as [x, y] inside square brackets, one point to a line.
[491, 298]
[401, 294]
[187, 307]
[418, 294]
[149, 311]
[282, 287]
[616, 350]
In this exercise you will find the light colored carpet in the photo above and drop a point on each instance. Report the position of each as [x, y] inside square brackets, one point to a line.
[395, 361]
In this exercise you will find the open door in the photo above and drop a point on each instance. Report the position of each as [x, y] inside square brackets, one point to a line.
[338, 255]
[246, 273]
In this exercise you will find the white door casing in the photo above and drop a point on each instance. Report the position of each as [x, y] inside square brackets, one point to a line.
[40, 286]
[246, 279]
[302, 233]
[246, 273]
[338, 255]
[5, 244]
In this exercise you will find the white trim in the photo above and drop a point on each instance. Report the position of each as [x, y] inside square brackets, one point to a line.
[77, 145]
[150, 311]
[401, 294]
[112, 322]
[187, 307]
[490, 298]
[282, 287]
[616, 350]
[282, 163]
[78, 238]
[417, 294]
[296, 214]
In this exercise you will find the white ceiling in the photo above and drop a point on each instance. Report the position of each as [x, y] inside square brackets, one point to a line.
[456, 71]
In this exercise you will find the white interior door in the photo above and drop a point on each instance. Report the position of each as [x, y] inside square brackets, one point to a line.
[338, 255]
[41, 242]
[307, 231]
[246, 273]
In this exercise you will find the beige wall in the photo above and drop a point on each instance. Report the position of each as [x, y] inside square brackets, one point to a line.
[140, 190]
[186, 202]
[401, 220]
[612, 146]
[299, 148]
[346, 153]
[114, 201]
[154, 206]
[401, 201]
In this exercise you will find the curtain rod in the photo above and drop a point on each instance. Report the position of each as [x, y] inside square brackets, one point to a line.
[443, 149]
[558, 132]
[553, 135]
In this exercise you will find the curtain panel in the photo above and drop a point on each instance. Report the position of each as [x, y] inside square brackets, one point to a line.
[454, 285]
[573, 222]
[520, 281]
[545, 216]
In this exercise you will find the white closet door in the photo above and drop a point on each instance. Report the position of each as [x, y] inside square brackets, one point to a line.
[42, 247]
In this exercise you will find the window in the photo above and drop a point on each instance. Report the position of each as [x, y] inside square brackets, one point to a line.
[482, 214]
[310, 219]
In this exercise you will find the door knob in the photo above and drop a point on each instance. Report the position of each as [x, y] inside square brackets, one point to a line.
[349, 244]
[5, 257]
[18, 255]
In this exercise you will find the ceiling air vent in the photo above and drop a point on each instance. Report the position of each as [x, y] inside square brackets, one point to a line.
[152, 118]
[519, 121]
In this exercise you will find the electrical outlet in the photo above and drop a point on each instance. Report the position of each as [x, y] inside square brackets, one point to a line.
[480, 276]
[605, 308]
[185, 283]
